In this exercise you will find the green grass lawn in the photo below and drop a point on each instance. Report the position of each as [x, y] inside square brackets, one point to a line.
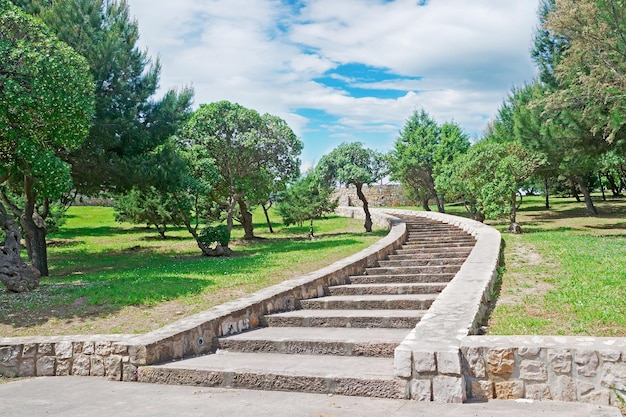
[566, 274]
[111, 277]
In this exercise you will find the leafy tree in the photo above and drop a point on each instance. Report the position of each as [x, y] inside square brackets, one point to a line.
[148, 207]
[306, 199]
[489, 176]
[251, 153]
[352, 164]
[129, 123]
[421, 152]
[46, 104]
[592, 68]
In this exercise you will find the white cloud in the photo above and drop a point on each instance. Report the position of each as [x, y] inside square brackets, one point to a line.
[460, 57]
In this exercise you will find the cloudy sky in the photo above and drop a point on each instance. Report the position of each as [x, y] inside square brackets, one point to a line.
[345, 70]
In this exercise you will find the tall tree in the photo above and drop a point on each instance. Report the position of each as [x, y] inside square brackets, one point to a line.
[352, 164]
[489, 176]
[129, 123]
[250, 152]
[308, 198]
[46, 105]
[421, 152]
[593, 67]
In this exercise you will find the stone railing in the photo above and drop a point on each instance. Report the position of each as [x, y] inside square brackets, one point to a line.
[583, 369]
[445, 362]
[442, 359]
[118, 356]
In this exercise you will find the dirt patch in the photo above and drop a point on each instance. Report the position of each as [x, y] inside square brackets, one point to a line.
[522, 278]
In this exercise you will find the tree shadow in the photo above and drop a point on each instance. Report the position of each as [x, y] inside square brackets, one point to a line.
[71, 300]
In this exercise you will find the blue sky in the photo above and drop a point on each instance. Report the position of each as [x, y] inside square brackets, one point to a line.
[345, 70]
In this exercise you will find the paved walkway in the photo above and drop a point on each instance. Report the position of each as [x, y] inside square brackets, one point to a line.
[98, 397]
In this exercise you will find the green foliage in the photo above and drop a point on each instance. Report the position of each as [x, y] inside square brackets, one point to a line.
[351, 164]
[129, 124]
[592, 69]
[250, 153]
[422, 152]
[306, 199]
[46, 104]
[489, 176]
[211, 235]
[149, 207]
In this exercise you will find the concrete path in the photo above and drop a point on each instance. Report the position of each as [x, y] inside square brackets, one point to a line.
[98, 397]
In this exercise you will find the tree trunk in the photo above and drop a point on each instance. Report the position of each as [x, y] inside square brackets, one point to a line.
[425, 205]
[311, 235]
[591, 209]
[513, 226]
[246, 220]
[15, 274]
[546, 191]
[433, 190]
[573, 189]
[267, 217]
[219, 250]
[601, 187]
[35, 229]
[368, 217]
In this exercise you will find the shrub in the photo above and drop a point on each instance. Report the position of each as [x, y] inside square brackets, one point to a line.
[215, 234]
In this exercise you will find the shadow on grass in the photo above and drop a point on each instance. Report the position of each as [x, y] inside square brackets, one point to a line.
[87, 284]
[101, 231]
[70, 300]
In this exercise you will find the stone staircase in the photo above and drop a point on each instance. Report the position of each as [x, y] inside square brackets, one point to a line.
[342, 343]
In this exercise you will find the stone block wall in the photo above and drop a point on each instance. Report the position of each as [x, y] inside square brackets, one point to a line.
[581, 369]
[119, 356]
[430, 356]
[62, 356]
[388, 195]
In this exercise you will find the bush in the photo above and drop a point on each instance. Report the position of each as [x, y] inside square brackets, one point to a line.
[215, 234]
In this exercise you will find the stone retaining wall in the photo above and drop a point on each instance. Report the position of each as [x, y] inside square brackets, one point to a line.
[118, 356]
[442, 359]
[583, 369]
[445, 362]
[387, 195]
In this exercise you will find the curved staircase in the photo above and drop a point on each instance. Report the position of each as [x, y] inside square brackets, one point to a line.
[342, 343]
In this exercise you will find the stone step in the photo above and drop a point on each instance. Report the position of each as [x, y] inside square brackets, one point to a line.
[402, 278]
[444, 245]
[402, 270]
[422, 262]
[390, 288]
[407, 250]
[340, 341]
[337, 375]
[394, 319]
[427, 256]
[433, 232]
[371, 302]
[439, 239]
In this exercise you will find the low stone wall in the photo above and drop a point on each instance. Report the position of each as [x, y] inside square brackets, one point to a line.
[445, 362]
[118, 356]
[583, 369]
[430, 355]
[387, 195]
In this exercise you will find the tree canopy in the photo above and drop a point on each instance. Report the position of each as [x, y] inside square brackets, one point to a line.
[250, 152]
[421, 152]
[129, 122]
[353, 164]
[46, 107]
